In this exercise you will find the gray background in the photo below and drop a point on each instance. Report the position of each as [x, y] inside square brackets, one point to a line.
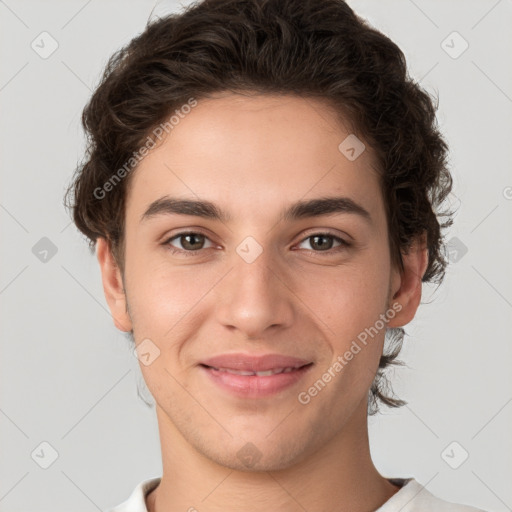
[68, 377]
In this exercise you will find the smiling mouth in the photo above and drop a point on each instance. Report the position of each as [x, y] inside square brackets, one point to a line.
[250, 384]
[265, 373]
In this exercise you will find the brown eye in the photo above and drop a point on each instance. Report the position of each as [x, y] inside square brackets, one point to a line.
[190, 242]
[324, 242]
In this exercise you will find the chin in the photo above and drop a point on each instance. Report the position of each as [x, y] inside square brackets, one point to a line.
[261, 454]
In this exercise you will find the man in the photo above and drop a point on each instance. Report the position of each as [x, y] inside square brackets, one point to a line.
[263, 186]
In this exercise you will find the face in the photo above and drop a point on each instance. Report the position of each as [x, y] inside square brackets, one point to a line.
[215, 300]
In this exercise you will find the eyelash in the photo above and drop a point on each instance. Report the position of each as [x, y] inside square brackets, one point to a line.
[343, 243]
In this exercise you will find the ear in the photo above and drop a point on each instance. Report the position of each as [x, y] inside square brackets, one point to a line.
[113, 286]
[406, 284]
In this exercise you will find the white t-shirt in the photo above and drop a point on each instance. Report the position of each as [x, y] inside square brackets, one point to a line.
[412, 497]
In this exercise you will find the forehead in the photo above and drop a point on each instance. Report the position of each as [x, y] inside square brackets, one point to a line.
[252, 153]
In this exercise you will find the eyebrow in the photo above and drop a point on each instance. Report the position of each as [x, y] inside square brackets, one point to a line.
[302, 209]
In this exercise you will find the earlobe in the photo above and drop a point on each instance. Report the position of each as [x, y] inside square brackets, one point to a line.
[407, 292]
[113, 286]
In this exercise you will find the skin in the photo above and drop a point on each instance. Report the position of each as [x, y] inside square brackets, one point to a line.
[253, 156]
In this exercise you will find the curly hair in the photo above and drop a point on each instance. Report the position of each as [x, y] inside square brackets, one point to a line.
[317, 49]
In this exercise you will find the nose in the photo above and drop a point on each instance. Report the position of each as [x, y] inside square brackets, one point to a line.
[255, 297]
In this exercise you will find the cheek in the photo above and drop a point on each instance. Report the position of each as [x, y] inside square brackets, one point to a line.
[162, 297]
[350, 305]
[347, 298]
[349, 302]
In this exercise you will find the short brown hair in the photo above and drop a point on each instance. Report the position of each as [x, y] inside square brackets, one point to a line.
[310, 48]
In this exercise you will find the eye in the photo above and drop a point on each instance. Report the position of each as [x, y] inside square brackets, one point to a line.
[323, 242]
[193, 242]
[190, 242]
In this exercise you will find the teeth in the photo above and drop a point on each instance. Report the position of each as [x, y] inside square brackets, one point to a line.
[237, 372]
[265, 373]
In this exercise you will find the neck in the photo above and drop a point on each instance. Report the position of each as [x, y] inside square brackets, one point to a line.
[338, 477]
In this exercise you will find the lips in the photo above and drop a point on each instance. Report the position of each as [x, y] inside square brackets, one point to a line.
[251, 376]
[252, 364]
[264, 373]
